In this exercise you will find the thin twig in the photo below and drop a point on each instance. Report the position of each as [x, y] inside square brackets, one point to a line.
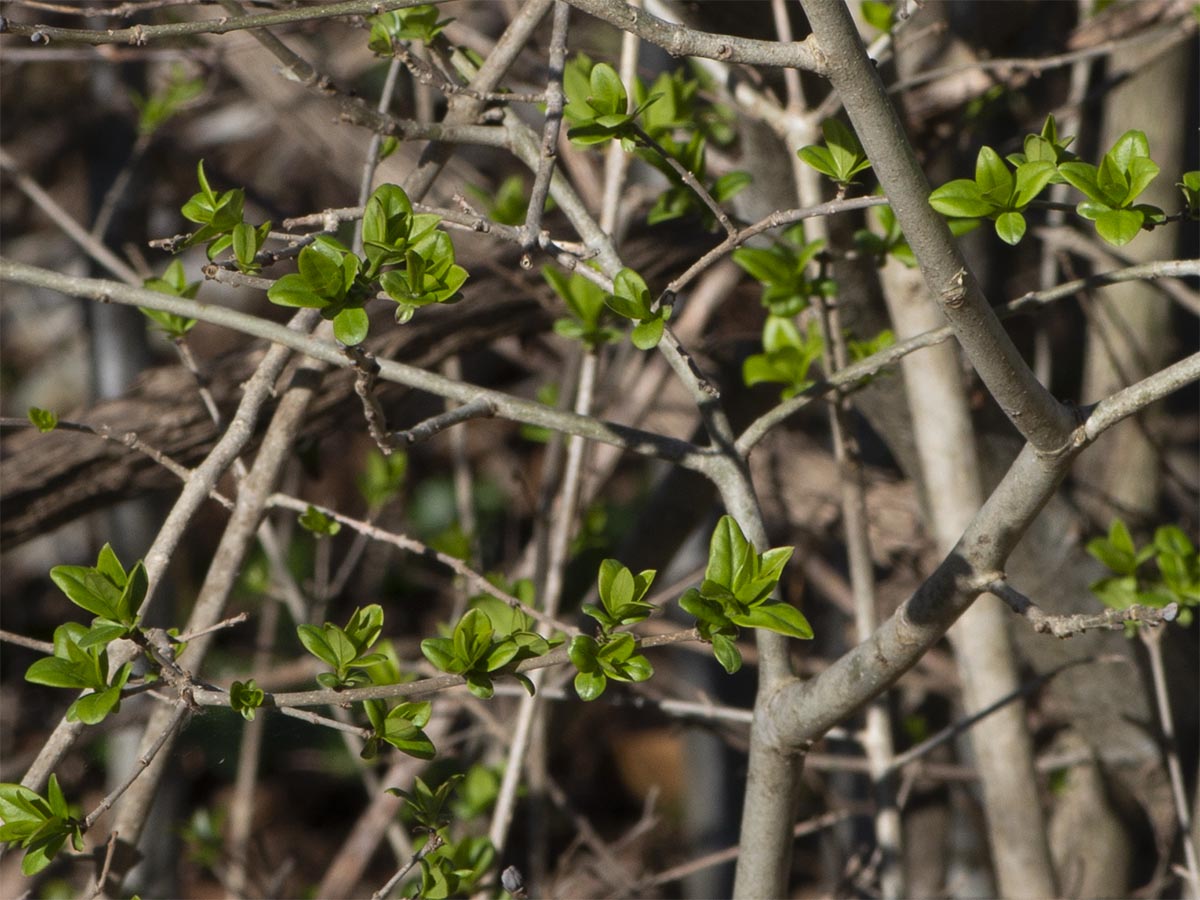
[1065, 626]
[111, 845]
[479, 408]
[11, 637]
[688, 178]
[412, 545]
[435, 841]
[1153, 643]
[178, 716]
[554, 110]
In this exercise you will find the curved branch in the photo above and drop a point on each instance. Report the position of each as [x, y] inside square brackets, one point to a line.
[513, 408]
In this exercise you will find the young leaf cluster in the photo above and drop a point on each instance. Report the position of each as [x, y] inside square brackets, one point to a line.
[892, 241]
[346, 650]
[631, 300]
[43, 420]
[597, 105]
[1002, 194]
[786, 358]
[1111, 188]
[416, 23]
[410, 258]
[221, 225]
[781, 270]
[612, 655]
[162, 105]
[585, 302]
[841, 158]
[1176, 559]
[401, 726]
[245, 697]
[665, 120]
[316, 522]
[39, 825]
[80, 659]
[735, 594]
[479, 652]
[174, 282]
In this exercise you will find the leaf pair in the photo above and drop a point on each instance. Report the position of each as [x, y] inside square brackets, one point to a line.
[346, 649]
[417, 23]
[1125, 171]
[597, 104]
[40, 825]
[107, 591]
[787, 356]
[81, 663]
[1178, 566]
[631, 300]
[585, 300]
[781, 270]
[737, 586]
[402, 727]
[173, 282]
[841, 158]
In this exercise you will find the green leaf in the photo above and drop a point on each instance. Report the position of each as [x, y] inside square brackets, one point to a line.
[726, 652]
[92, 709]
[1119, 226]
[350, 326]
[608, 95]
[992, 177]
[647, 334]
[88, 589]
[245, 698]
[1032, 178]
[293, 290]
[315, 521]
[582, 652]
[878, 14]
[315, 642]
[320, 265]
[1010, 227]
[43, 419]
[962, 198]
[778, 617]
[727, 549]
[590, 685]
[628, 285]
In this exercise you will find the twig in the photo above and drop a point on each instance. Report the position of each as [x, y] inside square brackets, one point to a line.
[128, 439]
[480, 407]
[688, 178]
[875, 363]
[525, 740]
[527, 411]
[372, 161]
[412, 545]
[179, 715]
[11, 637]
[878, 741]
[90, 244]
[365, 369]
[776, 219]
[616, 160]
[224, 623]
[141, 35]
[718, 857]
[108, 858]
[1065, 626]
[951, 731]
[554, 112]
[435, 841]
[1153, 643]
